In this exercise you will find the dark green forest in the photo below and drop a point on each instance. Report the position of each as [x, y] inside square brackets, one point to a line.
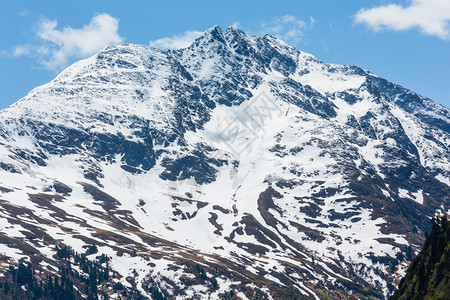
[24, 282]
[427, 276]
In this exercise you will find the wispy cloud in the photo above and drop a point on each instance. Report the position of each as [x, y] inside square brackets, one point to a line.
[235, 25]
[57, 46]
[22, 50]
[432, 17]
[4, 53]
[23, 13]
[288, 27]
[176, 41]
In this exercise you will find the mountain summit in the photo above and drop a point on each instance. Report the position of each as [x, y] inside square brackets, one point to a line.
[238, 166]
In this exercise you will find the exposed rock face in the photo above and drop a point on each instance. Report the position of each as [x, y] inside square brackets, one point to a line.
[275, 172]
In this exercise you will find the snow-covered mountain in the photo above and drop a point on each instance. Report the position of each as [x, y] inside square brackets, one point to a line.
[239, 158]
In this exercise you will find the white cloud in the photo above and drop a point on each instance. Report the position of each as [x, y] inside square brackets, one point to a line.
[176, 41]
[287, 27]
[57, 46]
[235, 25]
[432, 17]
[22, 50]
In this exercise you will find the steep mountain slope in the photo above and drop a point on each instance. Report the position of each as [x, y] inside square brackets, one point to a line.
[428, 275]
[278, 174]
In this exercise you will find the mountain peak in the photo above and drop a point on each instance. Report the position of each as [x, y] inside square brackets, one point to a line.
[212, 35]
[236, 148]
[235, 30]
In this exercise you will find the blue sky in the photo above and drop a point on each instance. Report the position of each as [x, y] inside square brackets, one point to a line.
[404, 41]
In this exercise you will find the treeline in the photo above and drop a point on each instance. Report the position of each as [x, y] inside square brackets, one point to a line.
[25, 282]
[427, 276]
